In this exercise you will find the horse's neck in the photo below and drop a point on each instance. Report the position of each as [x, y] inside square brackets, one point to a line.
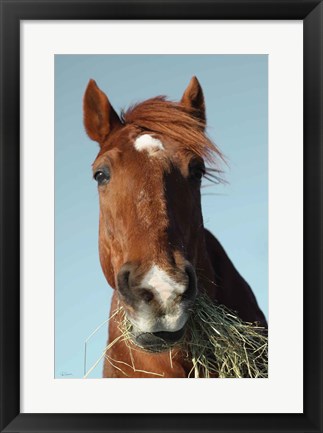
[205, 269]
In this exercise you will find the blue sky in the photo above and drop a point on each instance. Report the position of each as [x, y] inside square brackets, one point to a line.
[236, 93]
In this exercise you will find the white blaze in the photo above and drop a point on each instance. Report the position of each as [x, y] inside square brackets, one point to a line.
[148, 143]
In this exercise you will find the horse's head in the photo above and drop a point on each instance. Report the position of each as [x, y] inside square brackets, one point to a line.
[149, 172]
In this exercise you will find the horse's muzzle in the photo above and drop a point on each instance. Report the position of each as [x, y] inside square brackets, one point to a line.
[157, 303]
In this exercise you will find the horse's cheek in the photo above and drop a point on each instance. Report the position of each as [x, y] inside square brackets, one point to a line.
[106, 264]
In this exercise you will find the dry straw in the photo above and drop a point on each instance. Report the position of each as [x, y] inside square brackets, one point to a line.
[217, 342]
[222, 345]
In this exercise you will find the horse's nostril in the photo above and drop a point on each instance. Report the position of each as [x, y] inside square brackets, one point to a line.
[123, 282]
[123, 278]
[191, 289]
[146, 295]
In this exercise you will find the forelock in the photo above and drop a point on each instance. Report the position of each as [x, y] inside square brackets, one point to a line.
[173, 121]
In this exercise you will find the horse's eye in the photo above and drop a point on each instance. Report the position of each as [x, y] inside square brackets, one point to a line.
[102, 177]
[197, 172]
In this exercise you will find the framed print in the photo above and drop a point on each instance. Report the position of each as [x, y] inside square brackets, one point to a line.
[205, 294]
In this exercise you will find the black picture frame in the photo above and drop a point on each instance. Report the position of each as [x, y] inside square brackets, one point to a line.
[12, 12]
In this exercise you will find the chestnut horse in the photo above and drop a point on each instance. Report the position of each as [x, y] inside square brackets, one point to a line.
[154, 250]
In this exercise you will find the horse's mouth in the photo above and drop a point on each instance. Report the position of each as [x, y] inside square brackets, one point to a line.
[158, 341]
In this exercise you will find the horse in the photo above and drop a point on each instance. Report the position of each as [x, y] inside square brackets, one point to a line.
[154, 250]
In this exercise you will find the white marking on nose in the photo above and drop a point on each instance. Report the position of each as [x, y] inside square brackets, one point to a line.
[165, 289]
[149, 143]
[160, 282]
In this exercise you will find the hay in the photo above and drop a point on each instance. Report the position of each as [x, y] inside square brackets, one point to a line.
[217, 343]
[222, 345]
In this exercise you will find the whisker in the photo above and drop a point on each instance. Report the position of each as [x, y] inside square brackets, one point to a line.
[214, 175]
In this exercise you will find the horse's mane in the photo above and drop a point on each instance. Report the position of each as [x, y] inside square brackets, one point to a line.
[174, 121]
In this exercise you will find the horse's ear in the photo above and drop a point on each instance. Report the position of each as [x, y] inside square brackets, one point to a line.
[99, 116]
[193, 98]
